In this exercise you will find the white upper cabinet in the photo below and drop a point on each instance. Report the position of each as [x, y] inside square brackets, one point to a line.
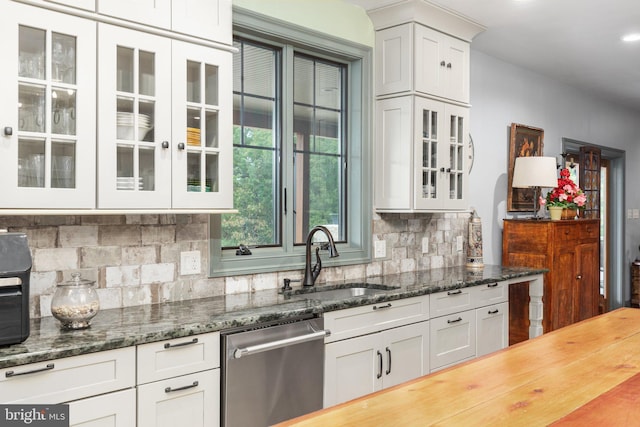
[412, 57]
[420, 156]
[207, 19]
[47, 147]
[151, 12]
[165, 123]
[79, 4]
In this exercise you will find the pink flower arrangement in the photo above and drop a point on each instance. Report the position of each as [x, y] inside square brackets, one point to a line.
[566, 195]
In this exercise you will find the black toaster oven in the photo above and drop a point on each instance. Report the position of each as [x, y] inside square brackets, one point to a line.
[15, 270]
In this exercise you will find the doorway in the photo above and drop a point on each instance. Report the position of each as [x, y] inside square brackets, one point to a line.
[613, 279]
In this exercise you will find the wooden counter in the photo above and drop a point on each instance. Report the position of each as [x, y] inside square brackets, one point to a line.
[557, 377]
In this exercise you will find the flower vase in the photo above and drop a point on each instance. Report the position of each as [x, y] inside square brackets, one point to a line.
[568, 213]
[555, 212]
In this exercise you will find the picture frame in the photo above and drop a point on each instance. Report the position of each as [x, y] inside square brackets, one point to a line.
[524, 141]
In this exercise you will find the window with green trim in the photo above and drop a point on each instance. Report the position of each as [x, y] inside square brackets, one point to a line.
[301, 148]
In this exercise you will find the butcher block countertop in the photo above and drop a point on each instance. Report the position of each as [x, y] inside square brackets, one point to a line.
[584, 374]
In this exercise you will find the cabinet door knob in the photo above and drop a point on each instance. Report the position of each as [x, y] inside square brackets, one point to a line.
[8, 131]
[442, 63]
[449, 65]
[579, 276]
[165, 144]
[181, 146]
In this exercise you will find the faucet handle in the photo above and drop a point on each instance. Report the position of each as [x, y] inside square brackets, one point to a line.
[287, 284]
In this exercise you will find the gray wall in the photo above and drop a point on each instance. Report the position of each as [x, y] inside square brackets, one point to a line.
[501, 94]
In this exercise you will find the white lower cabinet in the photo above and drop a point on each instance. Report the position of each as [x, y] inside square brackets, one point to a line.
[189, 400]
[117, 409]
[470, 322]
[362, 365]
[375, 346]
[453, 338]
[179, 382]
[492, 324]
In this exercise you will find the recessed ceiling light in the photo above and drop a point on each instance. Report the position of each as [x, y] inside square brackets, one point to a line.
[634, 37]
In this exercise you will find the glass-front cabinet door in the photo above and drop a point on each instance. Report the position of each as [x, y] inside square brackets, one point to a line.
[440, 174]
[134, 115]
[47, 148]
[202, 131]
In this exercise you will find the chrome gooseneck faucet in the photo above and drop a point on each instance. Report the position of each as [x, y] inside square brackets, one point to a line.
[312, 273]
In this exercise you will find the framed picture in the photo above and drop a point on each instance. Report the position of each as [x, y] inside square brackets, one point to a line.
[525, 141]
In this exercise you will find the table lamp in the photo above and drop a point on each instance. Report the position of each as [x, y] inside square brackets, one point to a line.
[535, 172]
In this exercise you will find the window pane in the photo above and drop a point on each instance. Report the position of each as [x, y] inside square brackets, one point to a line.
[319, 179]
[256, 150]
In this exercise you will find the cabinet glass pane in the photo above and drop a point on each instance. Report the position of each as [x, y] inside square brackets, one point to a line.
[124, 164]
[63, 111]
[193, 81]
[147, 73]
[63, 172]
[211, 134]
[145, 120]
[194, 134]
[124, 67]
[31, 162]
[211, 172]
[193, 171]
[63, 58]
[434, 155]
[31, 56]
[211, 84]
[31, 110]
[460, 158]
[124, 118]
[434, 125]
[146, 170]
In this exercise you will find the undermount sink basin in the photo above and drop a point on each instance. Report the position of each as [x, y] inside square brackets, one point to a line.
[351, 290]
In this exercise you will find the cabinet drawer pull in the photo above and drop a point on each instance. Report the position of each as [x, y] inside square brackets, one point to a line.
[182, 344]
[379, 365]
[458, 292]
[10, 374]
[186, 387]
[492, 285]
[493, 311]
[455, 320]
[375, 307]
[388, 371]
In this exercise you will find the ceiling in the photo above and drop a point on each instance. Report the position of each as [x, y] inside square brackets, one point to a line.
[575, 41]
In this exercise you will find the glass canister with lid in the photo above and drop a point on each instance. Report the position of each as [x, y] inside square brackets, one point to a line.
[75, 302]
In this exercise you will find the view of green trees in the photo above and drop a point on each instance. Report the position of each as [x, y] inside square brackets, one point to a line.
[255, 189]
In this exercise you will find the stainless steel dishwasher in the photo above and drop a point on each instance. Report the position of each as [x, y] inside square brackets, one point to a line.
[272, 372]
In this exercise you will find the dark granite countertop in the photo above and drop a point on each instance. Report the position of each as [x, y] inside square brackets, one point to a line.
[117, 328]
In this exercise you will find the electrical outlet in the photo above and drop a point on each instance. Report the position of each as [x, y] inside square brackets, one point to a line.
[636, 213]
[629, 213]
[425, 245]
[189, 262]
[380, 249]
[459, 243]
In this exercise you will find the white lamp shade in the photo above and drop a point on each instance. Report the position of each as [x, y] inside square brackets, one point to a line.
[534, 171]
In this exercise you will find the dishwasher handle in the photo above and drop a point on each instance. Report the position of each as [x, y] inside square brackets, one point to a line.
[259, 348]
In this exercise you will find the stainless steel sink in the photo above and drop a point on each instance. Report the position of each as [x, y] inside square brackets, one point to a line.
[350, 291]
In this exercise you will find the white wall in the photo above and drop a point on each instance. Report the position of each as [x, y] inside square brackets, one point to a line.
[502, 94]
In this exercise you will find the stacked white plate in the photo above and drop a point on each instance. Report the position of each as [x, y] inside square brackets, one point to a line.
[125, 122]
[128, 183]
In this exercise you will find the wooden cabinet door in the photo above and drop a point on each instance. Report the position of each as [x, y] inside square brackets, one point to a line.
[406, 353]
[563, 287]
[587, 281]
[352, 368]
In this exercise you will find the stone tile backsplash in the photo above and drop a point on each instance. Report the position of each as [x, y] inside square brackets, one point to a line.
[135, 259]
